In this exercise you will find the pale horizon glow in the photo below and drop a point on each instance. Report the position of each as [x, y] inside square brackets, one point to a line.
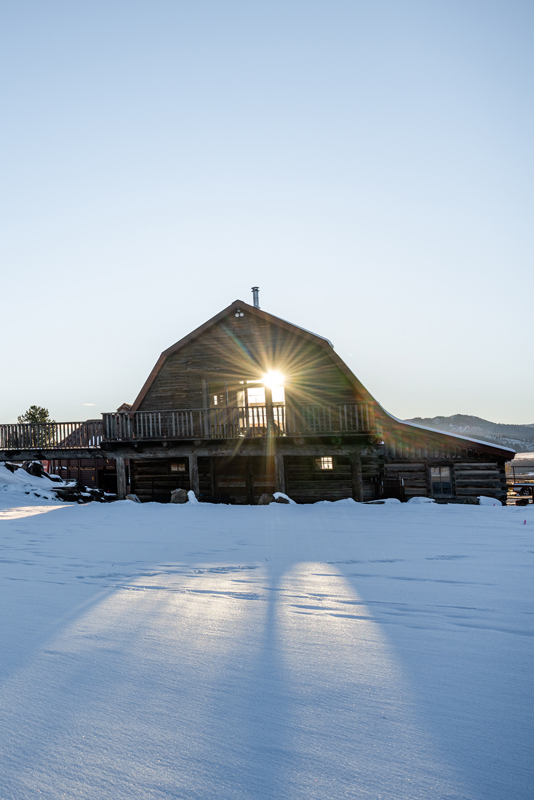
[368, 166]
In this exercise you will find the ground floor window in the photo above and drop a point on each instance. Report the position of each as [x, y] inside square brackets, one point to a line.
[325, 462]
[441, 480]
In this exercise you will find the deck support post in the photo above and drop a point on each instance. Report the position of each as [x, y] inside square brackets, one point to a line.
[193, 474]
[205, 413]
[120, 464]
[279, 473]
[357, 479]
[269, 411]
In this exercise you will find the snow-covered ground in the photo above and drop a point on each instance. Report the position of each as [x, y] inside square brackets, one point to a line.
[328, 651]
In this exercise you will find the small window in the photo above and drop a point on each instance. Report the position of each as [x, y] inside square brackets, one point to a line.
[215, 400]
[441, 480]
[325, 462]
[179, 467]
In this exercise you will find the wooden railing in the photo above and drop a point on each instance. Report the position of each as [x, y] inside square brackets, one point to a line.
[52, 435]
[233, 422]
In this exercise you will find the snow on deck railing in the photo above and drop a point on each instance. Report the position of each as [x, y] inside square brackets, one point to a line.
[51, 435]
[236, 422]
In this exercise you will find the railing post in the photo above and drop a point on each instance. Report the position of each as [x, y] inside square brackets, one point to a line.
[269, 410]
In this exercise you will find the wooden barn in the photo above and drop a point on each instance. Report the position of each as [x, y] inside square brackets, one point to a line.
[249, 404]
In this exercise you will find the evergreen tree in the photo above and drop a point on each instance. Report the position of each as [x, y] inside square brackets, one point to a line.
[35, 437]
[35, 414]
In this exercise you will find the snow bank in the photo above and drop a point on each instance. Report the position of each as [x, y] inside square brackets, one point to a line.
[385, 501]
[489, 501]
[283, 496]
[21, 484]
[21, 478]
[421, 500]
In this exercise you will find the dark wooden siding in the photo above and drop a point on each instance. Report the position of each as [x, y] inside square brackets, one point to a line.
[470, 479]
[475, 471]
[412, 478]
[153, 480]
[372, 474]
[245, 348]
[307, 484]
[98, 473]
[236, 480]
[480, 478]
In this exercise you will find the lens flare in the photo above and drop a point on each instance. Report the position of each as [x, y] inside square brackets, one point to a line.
[273, 378]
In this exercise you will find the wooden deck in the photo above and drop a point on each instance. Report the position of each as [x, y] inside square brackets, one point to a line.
[257, 421]
[52, 436]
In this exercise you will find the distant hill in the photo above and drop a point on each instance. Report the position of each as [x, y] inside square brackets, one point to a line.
[519, 437]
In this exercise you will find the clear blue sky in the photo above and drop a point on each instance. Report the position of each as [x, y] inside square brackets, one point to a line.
[368, 164]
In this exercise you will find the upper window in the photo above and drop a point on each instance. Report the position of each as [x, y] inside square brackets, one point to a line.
[256, 395]
[441, 480]
[278, 394]
[325, 462]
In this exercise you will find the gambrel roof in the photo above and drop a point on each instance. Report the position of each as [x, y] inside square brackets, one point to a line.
[388, 421]
[325, 344]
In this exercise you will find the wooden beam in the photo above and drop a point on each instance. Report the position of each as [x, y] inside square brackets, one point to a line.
[269, 410]
[193, 474]
[50, 454]
[121, 477]
[279, 473]
[241, 448]
[357, 480]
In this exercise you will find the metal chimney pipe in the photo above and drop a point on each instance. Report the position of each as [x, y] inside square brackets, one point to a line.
[256, 296]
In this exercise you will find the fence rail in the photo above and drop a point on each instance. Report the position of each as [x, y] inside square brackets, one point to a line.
[52, 435]
[233, 422]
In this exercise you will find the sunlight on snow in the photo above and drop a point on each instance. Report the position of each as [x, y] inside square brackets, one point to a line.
[256, 674]
[349, 682]
[27, 511]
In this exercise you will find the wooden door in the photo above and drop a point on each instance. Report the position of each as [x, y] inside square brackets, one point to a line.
[243, 479]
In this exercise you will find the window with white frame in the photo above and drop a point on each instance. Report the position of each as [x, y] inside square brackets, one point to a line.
[324, 462]
[441, 480]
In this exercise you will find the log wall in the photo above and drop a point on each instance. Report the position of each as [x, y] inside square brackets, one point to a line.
[96, 473]
[153, 481]
[470, 479]
[480, 478]
[307, 484]
[476, 468]
[407, 480]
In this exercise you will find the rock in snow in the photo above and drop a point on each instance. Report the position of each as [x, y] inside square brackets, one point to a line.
[179, 496]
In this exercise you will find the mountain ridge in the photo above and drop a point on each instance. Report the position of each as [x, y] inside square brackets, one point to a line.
[519, 437]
